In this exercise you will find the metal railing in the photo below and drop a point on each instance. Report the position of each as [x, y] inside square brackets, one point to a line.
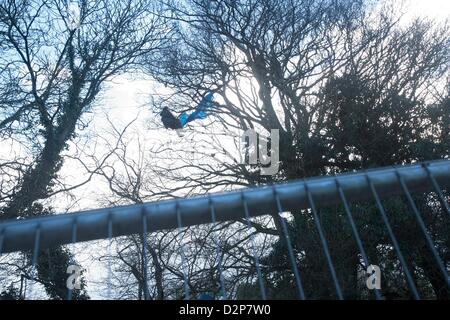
[38, 233]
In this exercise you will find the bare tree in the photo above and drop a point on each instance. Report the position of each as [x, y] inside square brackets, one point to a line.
[55, 62]
[59, 70]
[345, 82]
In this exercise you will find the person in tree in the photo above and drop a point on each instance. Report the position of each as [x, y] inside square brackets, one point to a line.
[171, 122]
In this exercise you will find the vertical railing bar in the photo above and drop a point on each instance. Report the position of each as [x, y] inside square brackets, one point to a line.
[262, 287]
[437, 188]
[423, 228]
[385, 219]
[37, 241]
[183, 257]
[74, 230]
[2, 237]
[34, 261]
[355, 231]
[144, 251]
[74, 240]
[218, 250]
[298, 280]
[324, 242]
[110, 232]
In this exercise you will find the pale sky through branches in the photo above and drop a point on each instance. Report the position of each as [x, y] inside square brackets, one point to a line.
[128, 98]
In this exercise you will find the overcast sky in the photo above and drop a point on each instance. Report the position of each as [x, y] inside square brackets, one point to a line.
[439, 9]
[125, 95]
[126, 99]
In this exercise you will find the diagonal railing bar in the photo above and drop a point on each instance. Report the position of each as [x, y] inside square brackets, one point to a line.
[109, 252]
[293, 260]
[218, 251]
[93, 224]
[425, 232]
[144, 253]
[34, 259]
[2, 237]
[394, 241]
[183, 256]
[262, 287]
[355, 232]
[74, 240]
[437, 189]
[323, 242]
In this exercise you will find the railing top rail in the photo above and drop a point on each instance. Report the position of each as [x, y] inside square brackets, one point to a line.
[19, 235]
